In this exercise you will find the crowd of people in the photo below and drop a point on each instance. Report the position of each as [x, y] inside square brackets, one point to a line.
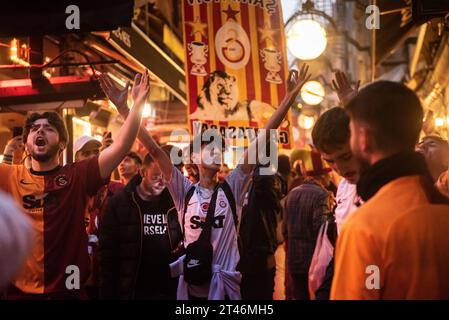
[361, 213]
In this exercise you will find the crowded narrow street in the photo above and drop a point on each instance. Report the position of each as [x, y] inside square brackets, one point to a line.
[243, 151]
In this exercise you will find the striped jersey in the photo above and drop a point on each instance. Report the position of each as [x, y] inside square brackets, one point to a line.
[55, 201]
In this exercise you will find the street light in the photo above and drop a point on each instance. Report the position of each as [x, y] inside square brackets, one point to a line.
[306, 122]
[439, 122]
[306, 39]
[147, 110]
[312, 93]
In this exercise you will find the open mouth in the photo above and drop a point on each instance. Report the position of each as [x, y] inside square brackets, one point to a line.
[224, 100]
[40, 142]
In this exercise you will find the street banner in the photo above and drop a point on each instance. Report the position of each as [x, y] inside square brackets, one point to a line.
[236, 66]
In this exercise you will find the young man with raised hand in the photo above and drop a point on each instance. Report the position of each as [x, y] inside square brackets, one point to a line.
[331, 137]
[55, 197]
[225, 282]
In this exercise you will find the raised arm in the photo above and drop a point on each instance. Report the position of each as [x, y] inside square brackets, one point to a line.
[294, 84]
[343, 88]
[119, 99]
[110, 157]
[12, 146]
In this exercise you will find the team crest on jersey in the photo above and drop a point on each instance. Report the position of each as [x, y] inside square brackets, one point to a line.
[222, 204]
[204, 206]
[61, 181]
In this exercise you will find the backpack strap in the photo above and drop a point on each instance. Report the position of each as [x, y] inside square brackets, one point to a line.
[207, 227]
[230, 196]
[186, 203]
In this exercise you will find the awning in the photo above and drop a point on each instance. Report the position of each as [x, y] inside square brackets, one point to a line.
[139, 48]
[396, 24]
[55, 92]
[400, 18]
[26, 18]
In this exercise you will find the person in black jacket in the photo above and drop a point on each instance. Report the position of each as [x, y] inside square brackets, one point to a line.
[139, 237]
[258, 238]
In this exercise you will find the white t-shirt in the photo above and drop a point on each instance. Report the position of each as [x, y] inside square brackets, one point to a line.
[346, 201]
[223, 235]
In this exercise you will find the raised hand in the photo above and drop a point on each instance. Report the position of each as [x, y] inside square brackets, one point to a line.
[295, 82]
[106, 141]
[141, 88]
[110, 157]
[13, 145]
[118, 97]
[343, 88]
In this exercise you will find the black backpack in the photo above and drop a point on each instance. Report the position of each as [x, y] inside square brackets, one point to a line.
[258, 227]
[199, 254]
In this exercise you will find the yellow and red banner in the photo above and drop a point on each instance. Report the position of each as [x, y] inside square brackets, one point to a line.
[236, 64]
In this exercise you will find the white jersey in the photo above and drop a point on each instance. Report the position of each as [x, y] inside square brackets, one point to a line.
[223, 235]
[346, 202]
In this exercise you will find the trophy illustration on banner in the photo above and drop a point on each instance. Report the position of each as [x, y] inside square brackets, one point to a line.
[198, 52]
[272, 59]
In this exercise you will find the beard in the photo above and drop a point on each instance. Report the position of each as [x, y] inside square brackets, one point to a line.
[363, 163]
[44, 157]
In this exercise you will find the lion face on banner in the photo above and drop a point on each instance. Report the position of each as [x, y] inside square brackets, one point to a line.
[219, 91]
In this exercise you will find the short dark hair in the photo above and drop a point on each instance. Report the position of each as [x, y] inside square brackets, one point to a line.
[53, 119]
[331, 130]
[392, 111]
[284, 167]
[133, 155]
[147, 160]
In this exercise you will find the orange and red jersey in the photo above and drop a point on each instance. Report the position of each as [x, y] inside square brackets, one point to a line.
[55, 201]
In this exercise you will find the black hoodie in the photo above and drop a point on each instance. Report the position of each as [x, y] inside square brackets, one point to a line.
[123, 240]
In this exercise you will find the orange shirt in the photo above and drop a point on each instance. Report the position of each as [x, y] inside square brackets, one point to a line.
[399, 232]
[55, 201]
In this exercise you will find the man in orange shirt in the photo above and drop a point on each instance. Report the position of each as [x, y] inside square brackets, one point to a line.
[396, 245]
[54, 197]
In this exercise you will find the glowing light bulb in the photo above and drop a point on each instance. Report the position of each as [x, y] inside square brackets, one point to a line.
[312, 92]
[306, 39]
[439, 122]
[306, 122]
